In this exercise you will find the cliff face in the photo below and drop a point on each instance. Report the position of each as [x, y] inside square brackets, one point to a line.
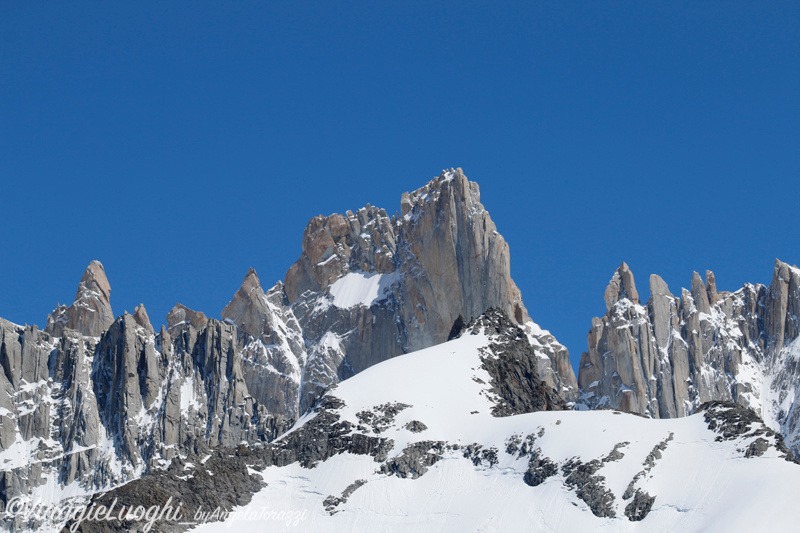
[667, 357]
[93, 401]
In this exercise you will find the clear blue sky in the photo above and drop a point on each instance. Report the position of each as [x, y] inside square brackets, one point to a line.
[182, 142]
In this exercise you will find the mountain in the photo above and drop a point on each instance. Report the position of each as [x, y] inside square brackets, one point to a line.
[443, 439]
[394, 378]
[92, 401]
[665, 358]
[368, 287]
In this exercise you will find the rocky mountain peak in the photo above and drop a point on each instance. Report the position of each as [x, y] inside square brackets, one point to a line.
[452, 182]
[711, 288]
[94, 280]
[141, 318]
[90, 313]
[368, 287]
[180, 315]
[699, 294]
[621, 287]
[658, 287]
[251, 286]
[248, 309]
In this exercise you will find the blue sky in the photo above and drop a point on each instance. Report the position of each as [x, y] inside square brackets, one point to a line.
[182, 142]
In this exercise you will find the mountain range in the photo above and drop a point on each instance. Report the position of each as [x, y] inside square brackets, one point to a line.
[395, 378]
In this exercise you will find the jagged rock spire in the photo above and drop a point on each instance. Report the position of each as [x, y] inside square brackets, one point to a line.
[711, 288]
[141, 318]
[621, 286]
[699, 294]
[783, 304]
[675, 353]
[248, 308]
[90, 313]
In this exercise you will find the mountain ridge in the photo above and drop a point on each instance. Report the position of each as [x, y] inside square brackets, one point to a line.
[93, 402]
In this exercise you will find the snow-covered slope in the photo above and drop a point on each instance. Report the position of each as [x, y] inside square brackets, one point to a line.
[451, 465]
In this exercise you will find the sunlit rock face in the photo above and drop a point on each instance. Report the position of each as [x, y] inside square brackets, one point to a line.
[666, 357]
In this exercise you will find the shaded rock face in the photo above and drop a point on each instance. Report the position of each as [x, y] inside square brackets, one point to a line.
[415, 459]
[510, 360]
[734, 422]
[439, 259]
[667, 357]
[90, 314]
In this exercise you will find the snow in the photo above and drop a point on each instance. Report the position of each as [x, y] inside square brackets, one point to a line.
[361, 288]
[328, 260]
[267, 355]
[188, 396]
[699, 484]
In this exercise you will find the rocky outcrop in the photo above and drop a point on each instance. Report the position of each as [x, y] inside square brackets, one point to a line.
[249, 308]
[734, 422]
[181, 316]
[223, 478]
[589, 486]
[511, 360]
[141, 318]
[90, 314]
[415, 459]
[667, 357]
[639, 507]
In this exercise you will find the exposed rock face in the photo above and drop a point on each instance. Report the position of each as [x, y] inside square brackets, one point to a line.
[181, 316]
[90, 314]
[589, 486]
[141, 318]
[734, 422]
[222, 477]
[639, 507]
[368, 287]
[415, 459]
[249, 308]
[511, 361]
[274, 355]
[621, 286]
[665, 358]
